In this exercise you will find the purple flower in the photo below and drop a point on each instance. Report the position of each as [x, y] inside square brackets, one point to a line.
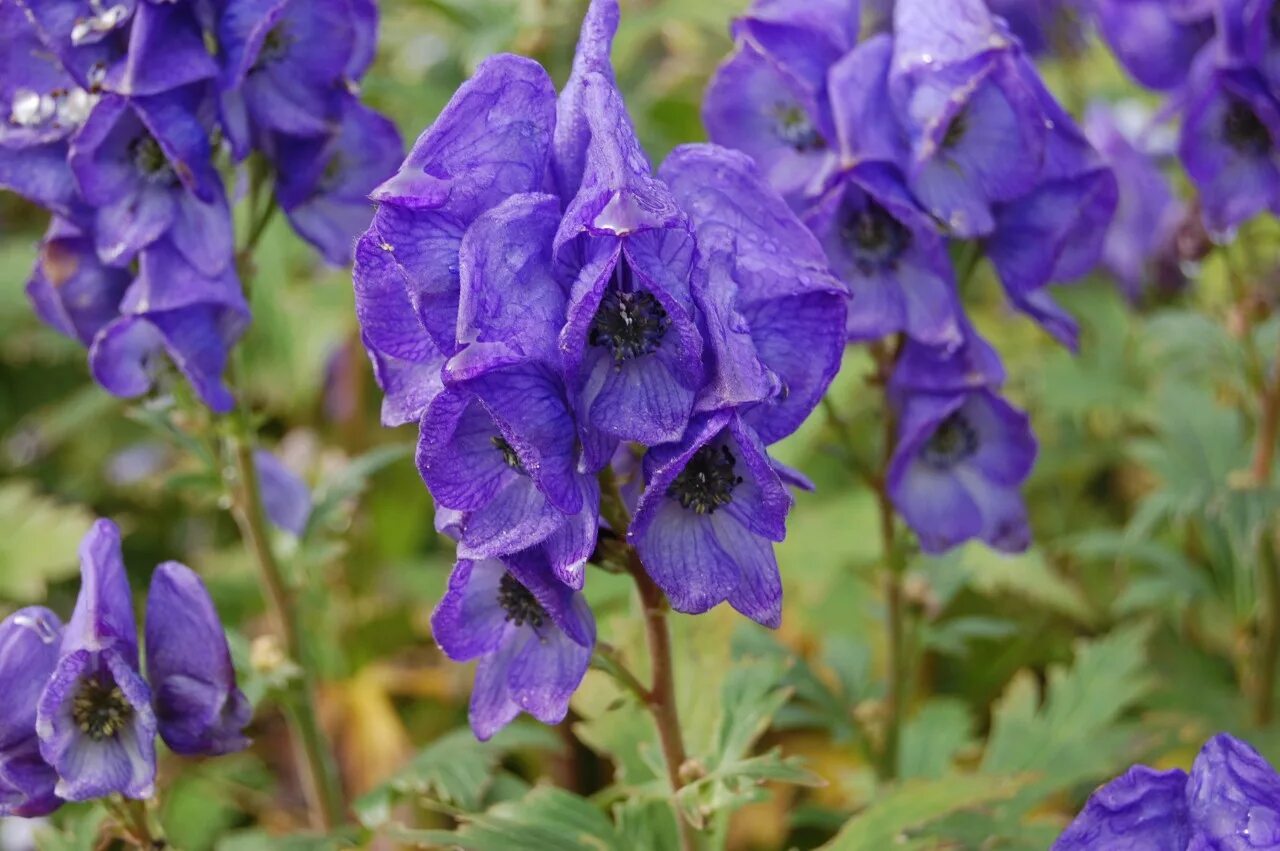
[285, 496]
[491, 141]
[773, 312]
[144, 164]
[875, 233]
[72, 290]
[1230, 801]
[198, 707]
[285, 65]
[1228, 145]
[1054, 233]
[87, 37]
[29, 641]
[1156, 40]
[769, 99]
[324, 182]
[962, 93]
[1140, 246]
[172, 309]
[712, 507]
[1250, 32]
[533, 637]
[166, 51]
[94, 718]
[632, 350]
[962, 452]
[1141, 810]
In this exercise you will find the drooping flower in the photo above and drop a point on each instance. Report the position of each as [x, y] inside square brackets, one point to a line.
[490, 142]
[1229, 143]
[705, 526]
[770, 98]
[199, 709]
[1056, 231]
[286, 63]
[775, 316]
[71, 289]
[632, 350]
[960, 90]
[324, 181]
[533, 637]
[1230, 800]
[144, 165]
[877, 237]
[94, 719]
[1156, 40]
[962, 451]
[172, 309]
[500, 442]
[29, 642]
[1140, 250]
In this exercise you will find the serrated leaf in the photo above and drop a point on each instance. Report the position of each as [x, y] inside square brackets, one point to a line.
[547, 819]
[1071, 735]
[1027, 575]
[454, 770]
[909, 806]
[932, 737]
[40, 541]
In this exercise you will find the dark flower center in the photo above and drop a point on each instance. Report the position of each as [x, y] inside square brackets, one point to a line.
[519, 603]
[875, 238]
[508, 454]
[275, 46]
[956, 130]
[100, 709]
[628, 323]
[707, 481]
[151, 162]
[1244, 131]
[796, 130]
[954, 440]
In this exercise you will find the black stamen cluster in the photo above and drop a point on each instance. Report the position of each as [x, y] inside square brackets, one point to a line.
[519, 603]
[707, 481]
[629, 324]
[100, 709]
[954, 440]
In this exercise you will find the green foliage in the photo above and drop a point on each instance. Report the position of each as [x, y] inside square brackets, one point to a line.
[39, 543]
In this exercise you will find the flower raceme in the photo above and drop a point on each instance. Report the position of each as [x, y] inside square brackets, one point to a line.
[115, 118]
[554, 313]
[80, 719]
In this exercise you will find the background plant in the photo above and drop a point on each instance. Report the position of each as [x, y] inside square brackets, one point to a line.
[1126, 633]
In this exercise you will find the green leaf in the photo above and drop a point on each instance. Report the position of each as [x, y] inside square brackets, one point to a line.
[932, 737]
[1028, 576]
[909, 806]
[261, 840]
[455, 770]
[39, 543]
[1073, 735]
[547, 819]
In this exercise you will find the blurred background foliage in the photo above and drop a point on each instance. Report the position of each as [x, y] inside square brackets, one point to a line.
[1121, 636]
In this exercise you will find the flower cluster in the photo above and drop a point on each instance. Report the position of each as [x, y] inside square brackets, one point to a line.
[1219, 63]
[554, 314]
[79, 720]
[115, 117]
[1231, 800]
[932, 130]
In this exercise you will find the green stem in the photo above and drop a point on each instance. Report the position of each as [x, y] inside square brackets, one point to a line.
[135, 820]
[311, 751]
[660, 697]
[896, 662]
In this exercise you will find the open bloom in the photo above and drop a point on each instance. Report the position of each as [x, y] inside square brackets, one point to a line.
[96, 725]
[705, 526]
[533, 637]
[1230, 800]
[1156, 40]
[29, 642]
